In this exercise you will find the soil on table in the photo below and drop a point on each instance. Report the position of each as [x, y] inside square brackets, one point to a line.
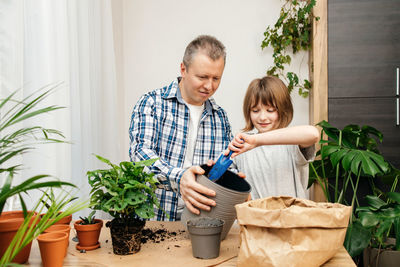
[159, 235]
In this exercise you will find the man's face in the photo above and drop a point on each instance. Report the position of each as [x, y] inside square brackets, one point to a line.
[201, 79]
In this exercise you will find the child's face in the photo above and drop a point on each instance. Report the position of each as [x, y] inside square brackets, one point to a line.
[264, 118]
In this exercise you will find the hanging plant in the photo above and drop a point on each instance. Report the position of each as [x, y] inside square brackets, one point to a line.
[292, 30]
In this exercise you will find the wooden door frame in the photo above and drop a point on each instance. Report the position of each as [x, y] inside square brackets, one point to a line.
[318, 69]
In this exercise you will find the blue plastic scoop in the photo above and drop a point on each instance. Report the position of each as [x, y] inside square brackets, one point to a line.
[220, 166]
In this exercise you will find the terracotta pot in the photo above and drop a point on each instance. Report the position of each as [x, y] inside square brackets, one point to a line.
[52, 248]
[60, 228]
[65, 220]
[88, 234]
[10, 222]
[205, 236]
[230, 190]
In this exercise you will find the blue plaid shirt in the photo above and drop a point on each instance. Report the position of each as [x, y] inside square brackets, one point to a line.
[159, 129]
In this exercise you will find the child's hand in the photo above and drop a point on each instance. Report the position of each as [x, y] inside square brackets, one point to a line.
[241, 143]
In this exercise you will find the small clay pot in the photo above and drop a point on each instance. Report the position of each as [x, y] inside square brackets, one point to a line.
[64, 228]
[205, 235]
[52, 248]
[10, 222]
[230, 190]
[88, 234]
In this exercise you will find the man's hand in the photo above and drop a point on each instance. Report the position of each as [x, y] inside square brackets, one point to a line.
[193, 193]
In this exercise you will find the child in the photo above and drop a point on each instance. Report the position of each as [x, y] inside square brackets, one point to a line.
[278, 161]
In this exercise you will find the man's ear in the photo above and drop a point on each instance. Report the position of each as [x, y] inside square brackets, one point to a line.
[183, 70]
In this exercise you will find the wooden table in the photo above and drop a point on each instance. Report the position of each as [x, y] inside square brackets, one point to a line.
[172, 251]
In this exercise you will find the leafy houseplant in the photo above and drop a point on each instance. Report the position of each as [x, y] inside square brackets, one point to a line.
[382, 222]
[20, 228]
[15, 140]
[126, 192]
[291, 30]
[348, 156]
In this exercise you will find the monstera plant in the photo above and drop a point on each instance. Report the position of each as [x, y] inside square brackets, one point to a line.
[346, 157]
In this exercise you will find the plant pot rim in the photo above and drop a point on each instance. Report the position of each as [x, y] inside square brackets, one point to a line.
[52, 237]
[221, 222]
[53, 228]
[88, 227]
[12, 220]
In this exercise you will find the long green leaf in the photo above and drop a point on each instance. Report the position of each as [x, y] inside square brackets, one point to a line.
[395, 196]
[357, 238]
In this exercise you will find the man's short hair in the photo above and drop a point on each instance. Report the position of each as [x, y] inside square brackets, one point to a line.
[209, 45]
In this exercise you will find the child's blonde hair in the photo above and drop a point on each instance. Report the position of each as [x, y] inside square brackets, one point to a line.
[270, 91]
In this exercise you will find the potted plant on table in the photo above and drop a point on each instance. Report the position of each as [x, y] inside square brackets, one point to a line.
[17, 139]
[126, 192]
[88, 232]
[382, 221]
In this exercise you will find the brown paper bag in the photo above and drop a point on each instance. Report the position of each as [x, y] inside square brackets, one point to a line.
[285, 231]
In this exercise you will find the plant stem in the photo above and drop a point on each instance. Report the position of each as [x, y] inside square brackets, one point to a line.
[344, 189]
[337, 170]
[322, 184]
[355, 190]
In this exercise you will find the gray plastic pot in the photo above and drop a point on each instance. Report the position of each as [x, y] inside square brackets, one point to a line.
[205, 235]
[385, 257]
[230, 190]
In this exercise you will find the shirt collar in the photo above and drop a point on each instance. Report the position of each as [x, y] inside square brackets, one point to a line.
[173, 91]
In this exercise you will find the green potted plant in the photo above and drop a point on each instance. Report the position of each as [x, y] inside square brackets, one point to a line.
[15, 140]
[30, 227]
[349, 156]
[88, 232]
[126, 192]
[381, 220]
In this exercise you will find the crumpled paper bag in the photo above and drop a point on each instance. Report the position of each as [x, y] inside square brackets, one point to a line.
[286, 231]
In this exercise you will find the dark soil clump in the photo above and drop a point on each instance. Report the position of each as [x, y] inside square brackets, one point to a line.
[126, 235]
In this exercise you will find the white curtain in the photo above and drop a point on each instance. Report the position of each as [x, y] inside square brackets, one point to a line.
[70, 42]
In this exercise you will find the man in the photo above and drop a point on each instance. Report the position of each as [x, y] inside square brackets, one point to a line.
[183, 126]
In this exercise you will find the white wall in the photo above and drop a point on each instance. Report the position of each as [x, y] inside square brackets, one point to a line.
[155, 33]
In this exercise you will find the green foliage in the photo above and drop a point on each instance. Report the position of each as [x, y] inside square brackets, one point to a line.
[125, 190]
[293, 30]
[34, 225]
[357, 238]
[90, 219]
[15, 140]
[352, 154]
[381, 219]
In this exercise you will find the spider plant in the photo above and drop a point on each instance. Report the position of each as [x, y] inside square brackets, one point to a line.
[34, 225]
[16, 140]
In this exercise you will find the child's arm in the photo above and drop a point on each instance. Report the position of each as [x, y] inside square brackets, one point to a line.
[304, 136]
